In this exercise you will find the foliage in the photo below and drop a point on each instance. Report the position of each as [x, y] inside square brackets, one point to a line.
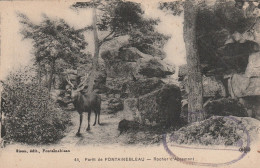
[175, 7]
[148, 42]
[120, 18]
[53, 39]
[31, 116]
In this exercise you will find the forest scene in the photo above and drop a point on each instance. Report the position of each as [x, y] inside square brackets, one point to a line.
[123, 77]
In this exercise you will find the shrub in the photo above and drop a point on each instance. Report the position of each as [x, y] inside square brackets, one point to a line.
[31, 116]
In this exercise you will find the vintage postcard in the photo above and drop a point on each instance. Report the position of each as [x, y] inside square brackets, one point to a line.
[138, 83]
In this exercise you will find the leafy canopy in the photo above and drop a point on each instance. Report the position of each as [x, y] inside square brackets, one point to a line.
[53, 39]
[117, 18]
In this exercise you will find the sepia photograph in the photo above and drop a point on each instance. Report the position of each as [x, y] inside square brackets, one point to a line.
[129, 83]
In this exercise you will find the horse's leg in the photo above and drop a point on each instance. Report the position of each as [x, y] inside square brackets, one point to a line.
[89, 113]
[95, 117]
[98, 113]
[80, 121]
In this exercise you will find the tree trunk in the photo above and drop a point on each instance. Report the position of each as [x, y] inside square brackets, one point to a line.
[2, 126]
[39, 73]
[51, 75]
[195, 97]
[96, 53]
[1, 114]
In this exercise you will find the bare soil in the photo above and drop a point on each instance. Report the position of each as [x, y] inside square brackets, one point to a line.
[106, 133]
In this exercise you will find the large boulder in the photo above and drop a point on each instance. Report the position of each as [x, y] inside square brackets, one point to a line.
[110, 50]
[253, 66]
[152, 50]
[142, 86]
[239, 85]
[154, 67]
[161, 107]
[126, 125]
[131, 54]
[218, 130]
[225, 107]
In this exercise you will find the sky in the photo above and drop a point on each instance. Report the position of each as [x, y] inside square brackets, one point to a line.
[16, 52]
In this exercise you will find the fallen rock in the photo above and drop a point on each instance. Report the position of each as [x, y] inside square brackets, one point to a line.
[225, 107]
[126, 125]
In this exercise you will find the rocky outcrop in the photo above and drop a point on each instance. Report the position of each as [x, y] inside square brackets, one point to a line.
[131, 54]
[225, 107]
[131, 61]
[152, 50]
[110, 50]
[154, 67]
[160, 107]
[121, 69]
[218, 130]
[240, 85]
[134, 77]
[142, 86]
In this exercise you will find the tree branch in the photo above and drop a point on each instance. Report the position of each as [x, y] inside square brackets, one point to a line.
[110, 36]
[85, 29]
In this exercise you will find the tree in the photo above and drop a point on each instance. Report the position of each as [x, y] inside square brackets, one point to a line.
[195, 97]
[115, 18]
[53, 40]
[1, 116]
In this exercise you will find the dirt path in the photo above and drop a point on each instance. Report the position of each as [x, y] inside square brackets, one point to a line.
[106, 133]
